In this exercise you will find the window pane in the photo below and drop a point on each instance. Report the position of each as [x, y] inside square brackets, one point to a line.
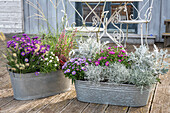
[86, 11]
[124, 15]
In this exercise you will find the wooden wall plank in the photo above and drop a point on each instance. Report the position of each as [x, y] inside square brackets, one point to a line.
[10, 12]
[52, 18]
[164, 15]
[33, 20]
[154, 25]
[42, 24]
[60, 14]
[26, 17]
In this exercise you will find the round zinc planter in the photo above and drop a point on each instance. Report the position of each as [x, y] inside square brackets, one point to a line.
[113, 94]
[29, 86]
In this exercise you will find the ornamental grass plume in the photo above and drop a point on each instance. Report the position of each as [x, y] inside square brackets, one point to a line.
[64, 46]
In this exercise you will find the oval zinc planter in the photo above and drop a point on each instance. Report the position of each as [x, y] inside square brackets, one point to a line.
[29, 86]
[113, 94]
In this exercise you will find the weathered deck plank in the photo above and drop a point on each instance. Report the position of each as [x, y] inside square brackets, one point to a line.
[95, 108]
[161, 102]
[6, 96]
[75, 107]
[116, 109]
[57, 105]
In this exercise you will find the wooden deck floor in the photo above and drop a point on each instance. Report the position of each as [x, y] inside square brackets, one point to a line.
[159, 101]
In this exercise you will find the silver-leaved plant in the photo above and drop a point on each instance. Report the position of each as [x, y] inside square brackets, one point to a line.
[87, 48]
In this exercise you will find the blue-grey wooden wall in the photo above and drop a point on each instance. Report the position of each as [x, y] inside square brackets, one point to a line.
[31, 25]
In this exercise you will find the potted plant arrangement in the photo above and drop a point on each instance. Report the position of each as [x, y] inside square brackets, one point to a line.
[34, 68]
[116, 77]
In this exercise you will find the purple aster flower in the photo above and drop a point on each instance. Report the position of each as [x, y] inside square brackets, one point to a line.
[97, 63]
[73, 67]
[8, 44]
[77, 69]
[23, 53]
[119, 60]
[26, 60]
[36, 37]
[28, 44]
[37, 73]
[65, 72]
[17, 38]
[107, 63]
[89, 60]
[23, 38]
[24, 34]
[68, 70]
[20, 48]
[83, 68]
[74, 72]
[86, 64]
[28, 38]
[14, 36]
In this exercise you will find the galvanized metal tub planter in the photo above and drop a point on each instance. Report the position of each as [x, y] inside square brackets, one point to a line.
[113, 94]
[29, 86]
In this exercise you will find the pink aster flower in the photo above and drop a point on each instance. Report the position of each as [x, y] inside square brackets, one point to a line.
[111, 52]
[119, 60]
[97, 63]
[107, 63]
[109, 48]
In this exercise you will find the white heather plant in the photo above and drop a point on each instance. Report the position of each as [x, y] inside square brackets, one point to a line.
[50, 63]
[87, 48]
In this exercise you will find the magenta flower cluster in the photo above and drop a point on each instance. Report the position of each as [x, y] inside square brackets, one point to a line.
[75, 68]
[111, 55]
